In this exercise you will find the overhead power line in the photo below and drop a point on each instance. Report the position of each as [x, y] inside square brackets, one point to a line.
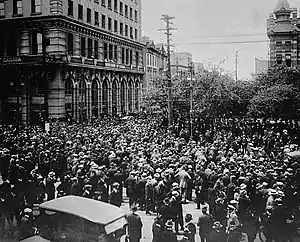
[230, 35]
[230, 42]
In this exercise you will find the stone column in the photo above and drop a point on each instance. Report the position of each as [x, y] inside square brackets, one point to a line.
[89, 100]
[109, 94]
[56, 96]
[76, 98]
[24, 103]
[99, 97]
[119, 97]
[126, 98]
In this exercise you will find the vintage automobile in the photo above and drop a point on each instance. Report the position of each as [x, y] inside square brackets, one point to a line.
[79, 219]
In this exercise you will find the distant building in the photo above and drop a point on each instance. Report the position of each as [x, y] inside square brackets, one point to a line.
[283, 32]
[180, 63]
[261, 65]
[155, 59]
[198, 67]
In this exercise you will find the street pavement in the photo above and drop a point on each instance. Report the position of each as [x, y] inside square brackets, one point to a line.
[148, 220]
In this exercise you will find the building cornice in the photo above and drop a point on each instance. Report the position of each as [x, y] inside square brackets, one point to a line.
[73, 25]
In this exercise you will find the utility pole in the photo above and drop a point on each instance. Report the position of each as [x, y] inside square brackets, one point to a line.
[168, 30]
[191, 67]
[236, 65]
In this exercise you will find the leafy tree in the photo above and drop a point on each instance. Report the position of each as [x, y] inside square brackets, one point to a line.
[278, 94]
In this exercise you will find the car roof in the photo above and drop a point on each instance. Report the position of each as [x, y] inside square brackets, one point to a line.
[89, 209]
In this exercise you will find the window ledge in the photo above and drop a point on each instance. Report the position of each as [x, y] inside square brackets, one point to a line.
[35, 14]
[14, 15]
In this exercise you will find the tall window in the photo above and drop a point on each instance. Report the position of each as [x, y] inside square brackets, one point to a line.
[88, 15]
[12, 43]
[278, 45]
[90, 48]
[36, 6]
[110, 52]
[123, 56]
[137, 58]
[121, 8]
[127, 56]
[116, 26]
[103, 3]
[136, 34]
[109, 4]
[36, 43]
[17, 7]
[288, 46]
[126, 30]
[105, 46]
[2, 13]
[109, 23]
[70, 8]
[116, 53]
[130, 13]
[70, 43]
[130, 57]
[279, 59]
[126, 11]
[96, 18]
[82, 47]
[121, 28]
[288, 60]
[80, 11]
[96, 49]
[116, 5]
[131, 34]
[135, 16]
[103, 21]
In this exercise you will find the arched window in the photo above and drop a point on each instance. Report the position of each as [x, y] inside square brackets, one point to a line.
[136, 98]
[95, 98]
[105, 97]
[123, 96]
[69, 99]
[114, 97]
[130, 94]
[82, 100]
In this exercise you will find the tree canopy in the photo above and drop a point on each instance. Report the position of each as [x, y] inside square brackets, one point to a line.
[274, 94]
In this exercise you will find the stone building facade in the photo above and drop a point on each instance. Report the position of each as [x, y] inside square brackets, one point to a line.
[155, 59]
[284, 32]
[69, 59]
[180, 62]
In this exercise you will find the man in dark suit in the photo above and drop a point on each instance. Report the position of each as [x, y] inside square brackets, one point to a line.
[205, 223]
[134, 225]
[168, 234]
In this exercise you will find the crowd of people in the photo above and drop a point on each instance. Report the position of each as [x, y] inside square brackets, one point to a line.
[241, 177]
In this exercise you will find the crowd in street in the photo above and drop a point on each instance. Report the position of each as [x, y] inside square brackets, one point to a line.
[241, 178]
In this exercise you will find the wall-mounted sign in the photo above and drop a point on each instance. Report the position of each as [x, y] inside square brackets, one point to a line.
[32, 59]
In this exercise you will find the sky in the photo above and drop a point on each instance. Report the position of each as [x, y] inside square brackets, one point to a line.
[198, 20]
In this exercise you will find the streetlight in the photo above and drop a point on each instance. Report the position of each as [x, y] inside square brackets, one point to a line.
[191, 69]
